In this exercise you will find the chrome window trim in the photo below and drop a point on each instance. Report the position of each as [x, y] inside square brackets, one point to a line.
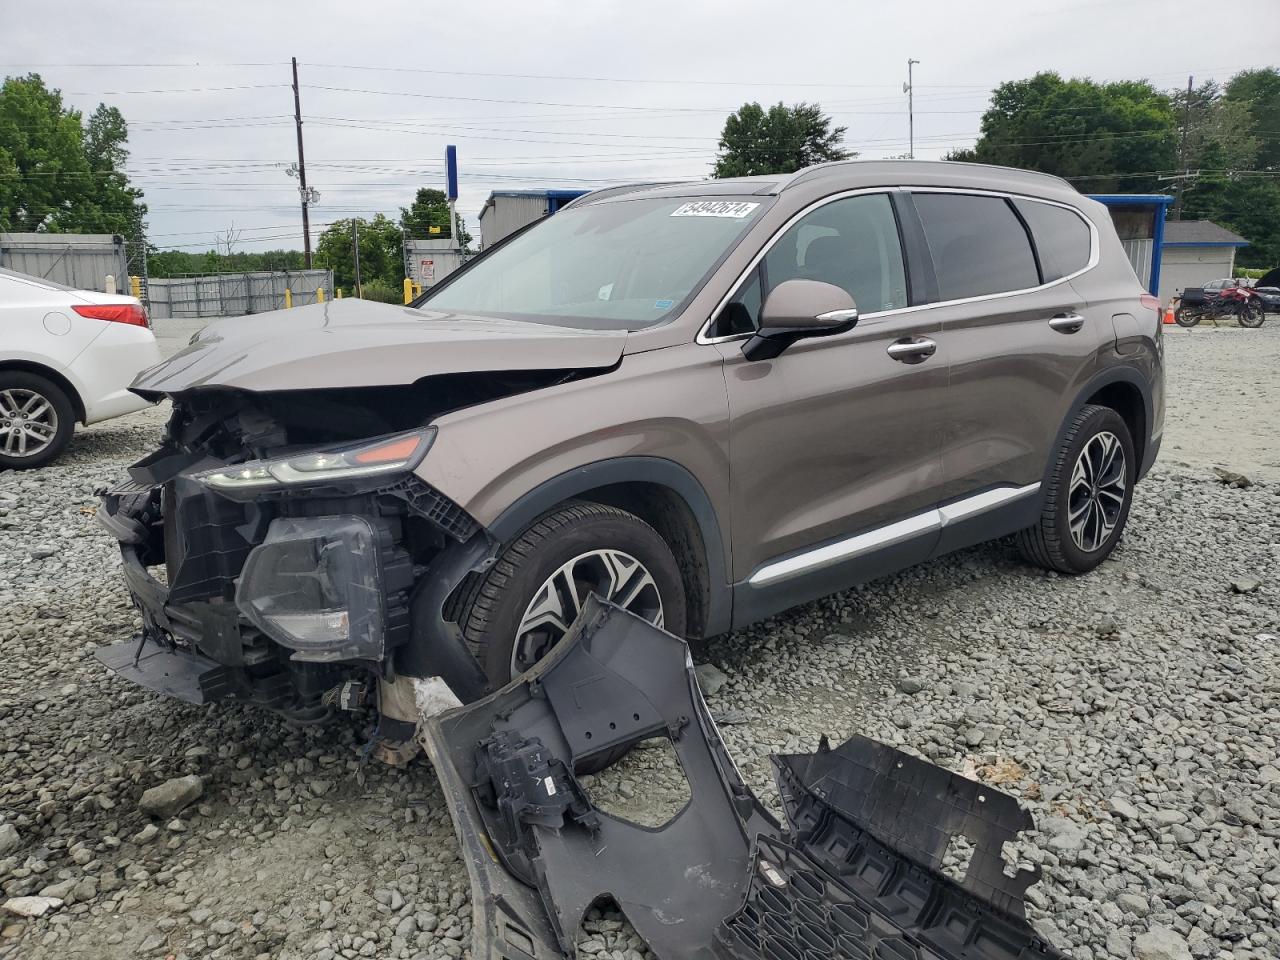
[1095, 255]
[848, 548]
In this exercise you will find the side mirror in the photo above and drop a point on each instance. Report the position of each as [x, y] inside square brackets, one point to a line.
[797, 309]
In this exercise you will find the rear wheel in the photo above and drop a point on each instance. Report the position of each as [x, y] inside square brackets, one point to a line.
[529, 599]
[1186, 317]
[1087, 499]
[36, 420]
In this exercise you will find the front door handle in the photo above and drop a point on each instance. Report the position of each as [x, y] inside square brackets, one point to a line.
[912, 350]
[1067, 322]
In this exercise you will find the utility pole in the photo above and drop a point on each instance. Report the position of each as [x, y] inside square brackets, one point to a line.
[1183, 159]
[909, 88]
[302, 169]
[355, 253]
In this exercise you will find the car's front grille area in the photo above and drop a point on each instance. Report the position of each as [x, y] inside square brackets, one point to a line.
[207, 539]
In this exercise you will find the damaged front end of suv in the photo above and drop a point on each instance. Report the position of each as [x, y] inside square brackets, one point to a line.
[279, 546]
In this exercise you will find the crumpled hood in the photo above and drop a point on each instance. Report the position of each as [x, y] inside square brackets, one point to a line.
[359, 343]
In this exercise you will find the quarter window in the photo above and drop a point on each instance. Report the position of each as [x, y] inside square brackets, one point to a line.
[1062, 238]
[978, 245]
[852, 243]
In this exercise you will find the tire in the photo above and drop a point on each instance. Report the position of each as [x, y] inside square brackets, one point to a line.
[1051, 542]
[492, 611]
[35, 413]
[1251, 314]
[1185, 317]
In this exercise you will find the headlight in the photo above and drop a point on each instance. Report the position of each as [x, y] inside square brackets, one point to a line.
[399, 453]
[315, 586]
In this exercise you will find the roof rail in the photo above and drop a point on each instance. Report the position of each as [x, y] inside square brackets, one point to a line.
[823, 169]
[604, 192]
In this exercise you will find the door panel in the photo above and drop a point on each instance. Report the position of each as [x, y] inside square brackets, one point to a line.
[1012, 379]
[1019, 337]
[833, 438]
[837, 435]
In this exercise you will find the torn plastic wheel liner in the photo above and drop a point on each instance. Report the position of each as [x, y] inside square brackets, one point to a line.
[857, 873]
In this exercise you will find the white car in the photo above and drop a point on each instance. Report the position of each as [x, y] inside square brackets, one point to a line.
[65, 355]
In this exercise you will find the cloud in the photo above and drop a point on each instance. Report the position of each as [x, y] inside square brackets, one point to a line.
[551, 94]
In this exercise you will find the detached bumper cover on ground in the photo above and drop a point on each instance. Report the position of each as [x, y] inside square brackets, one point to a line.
[856, 873]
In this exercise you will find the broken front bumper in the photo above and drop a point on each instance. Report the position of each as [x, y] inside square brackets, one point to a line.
[272, 602]
[856, 872]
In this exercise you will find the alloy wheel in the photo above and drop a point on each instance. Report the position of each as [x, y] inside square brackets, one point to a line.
[1096, 495]
[28, 422]
[609, 574]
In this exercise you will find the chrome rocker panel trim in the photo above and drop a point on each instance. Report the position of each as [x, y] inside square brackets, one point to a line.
[902, 530]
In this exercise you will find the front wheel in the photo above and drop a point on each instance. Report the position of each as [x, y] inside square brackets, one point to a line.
[1185, 317]
[1251, 314]
[528, 600]
[1087, 497]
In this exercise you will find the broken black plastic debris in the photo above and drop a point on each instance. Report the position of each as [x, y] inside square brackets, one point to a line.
[857, 874]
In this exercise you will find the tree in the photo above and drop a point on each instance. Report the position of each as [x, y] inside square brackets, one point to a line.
[58, 173]
[1249, 205]
[430, 208]
[780, 140]
[176, 263]
[1219, 131]
[1259, 92]
[1108, 137]
[381, 251]
[1226, 153]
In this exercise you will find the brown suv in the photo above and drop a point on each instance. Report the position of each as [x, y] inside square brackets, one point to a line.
[706, 401]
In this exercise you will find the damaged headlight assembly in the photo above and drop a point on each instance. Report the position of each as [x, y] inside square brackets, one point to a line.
[385, 456]
[315, 586]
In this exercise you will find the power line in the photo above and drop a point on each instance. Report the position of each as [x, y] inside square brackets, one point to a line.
[122, 93]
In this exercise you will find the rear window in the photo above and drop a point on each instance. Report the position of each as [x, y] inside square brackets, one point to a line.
[978, 245]
[1061, 236]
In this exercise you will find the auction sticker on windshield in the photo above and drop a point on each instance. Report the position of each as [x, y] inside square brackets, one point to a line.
[732, 209]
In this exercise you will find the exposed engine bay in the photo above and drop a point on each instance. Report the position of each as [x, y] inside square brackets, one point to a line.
[855, 872]
[295, 592]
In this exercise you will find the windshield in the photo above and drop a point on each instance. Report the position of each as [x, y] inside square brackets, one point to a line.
[619, 265]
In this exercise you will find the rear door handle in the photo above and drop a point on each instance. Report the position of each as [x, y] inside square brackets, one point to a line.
[1067, 322]
[912, 350]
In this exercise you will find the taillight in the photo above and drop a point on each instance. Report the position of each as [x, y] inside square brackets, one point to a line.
[1150, 302]
[130, 313]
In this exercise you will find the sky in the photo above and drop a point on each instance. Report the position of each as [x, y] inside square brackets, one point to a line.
[554, 94]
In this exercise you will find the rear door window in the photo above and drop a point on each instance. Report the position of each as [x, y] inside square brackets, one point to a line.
[1061, 235]
[978, 245]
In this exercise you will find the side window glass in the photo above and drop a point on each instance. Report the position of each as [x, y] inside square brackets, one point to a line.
[852, 243]
[978, 245]
[742, 313]
[1061, 236]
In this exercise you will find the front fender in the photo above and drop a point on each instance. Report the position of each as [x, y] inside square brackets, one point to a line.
[661, 417]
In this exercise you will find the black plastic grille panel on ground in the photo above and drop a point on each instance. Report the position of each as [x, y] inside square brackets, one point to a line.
[878, 823]
[794, 912]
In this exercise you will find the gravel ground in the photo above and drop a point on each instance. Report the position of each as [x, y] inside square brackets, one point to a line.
[1136, 711]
